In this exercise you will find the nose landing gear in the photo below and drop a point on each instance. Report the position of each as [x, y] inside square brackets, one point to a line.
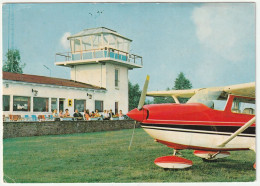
[173, 162]
[211, 155]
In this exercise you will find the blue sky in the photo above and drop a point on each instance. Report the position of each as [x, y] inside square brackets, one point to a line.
[212, 43]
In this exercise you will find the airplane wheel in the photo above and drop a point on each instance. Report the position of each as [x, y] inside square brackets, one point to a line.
[211, 155]
[172, 162]
[207, 160]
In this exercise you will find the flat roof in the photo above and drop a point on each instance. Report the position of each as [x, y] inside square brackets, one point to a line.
[95, 31]
[47, 80]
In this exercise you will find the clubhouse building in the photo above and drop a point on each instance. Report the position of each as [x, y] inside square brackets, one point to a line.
[99, 61]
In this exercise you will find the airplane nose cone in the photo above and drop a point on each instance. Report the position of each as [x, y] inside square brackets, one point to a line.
[138, 115]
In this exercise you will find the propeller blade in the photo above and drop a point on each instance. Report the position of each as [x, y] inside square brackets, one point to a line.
[143, 95]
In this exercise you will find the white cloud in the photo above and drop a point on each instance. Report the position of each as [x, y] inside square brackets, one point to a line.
[226, 29]
[64, 42]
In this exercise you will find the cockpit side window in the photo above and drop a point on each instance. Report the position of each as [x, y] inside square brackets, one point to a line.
[221, 101]
[213, 99]
[243, 105]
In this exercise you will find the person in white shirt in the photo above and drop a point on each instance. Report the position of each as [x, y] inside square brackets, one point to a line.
[105, 115]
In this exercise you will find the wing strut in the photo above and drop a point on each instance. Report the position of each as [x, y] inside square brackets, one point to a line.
[240, 130]
[175, 99]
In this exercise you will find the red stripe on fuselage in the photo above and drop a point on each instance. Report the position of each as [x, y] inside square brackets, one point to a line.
[194, 114]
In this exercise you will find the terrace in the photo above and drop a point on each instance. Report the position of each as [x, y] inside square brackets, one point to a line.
[99, 55]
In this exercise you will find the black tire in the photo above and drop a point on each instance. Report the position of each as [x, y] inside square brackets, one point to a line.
[207, 160]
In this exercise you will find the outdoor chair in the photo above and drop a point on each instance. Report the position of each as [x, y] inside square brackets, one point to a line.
[47, 117]
[34, 118]
[51, 118]
[41, 117]
[19, 118]
[6, 119]
[15, 118]
[11, 117]
[26, 118]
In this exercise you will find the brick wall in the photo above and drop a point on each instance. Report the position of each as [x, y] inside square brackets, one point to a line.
[22, 129]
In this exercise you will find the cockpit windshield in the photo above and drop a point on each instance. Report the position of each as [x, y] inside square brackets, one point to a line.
[211, 98]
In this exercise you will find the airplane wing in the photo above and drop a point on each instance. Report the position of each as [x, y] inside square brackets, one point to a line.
[177, 93]
[246, 89]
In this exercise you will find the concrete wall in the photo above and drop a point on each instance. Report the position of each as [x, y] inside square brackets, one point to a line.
[94, 74]
[23, 129]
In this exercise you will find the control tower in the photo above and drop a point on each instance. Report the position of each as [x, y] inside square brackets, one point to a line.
[100, 57]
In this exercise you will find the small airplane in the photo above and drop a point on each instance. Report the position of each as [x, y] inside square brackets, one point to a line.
[212, 122]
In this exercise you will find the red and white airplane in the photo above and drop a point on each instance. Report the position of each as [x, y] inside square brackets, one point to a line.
[212, 122]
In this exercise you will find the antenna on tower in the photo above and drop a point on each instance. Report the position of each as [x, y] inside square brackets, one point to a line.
[48, 69]
[11, 27]
[11, 33]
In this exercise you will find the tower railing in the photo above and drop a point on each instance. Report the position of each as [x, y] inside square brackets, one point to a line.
[99, 53]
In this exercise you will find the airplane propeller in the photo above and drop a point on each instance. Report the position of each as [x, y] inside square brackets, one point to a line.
[140, 105]
[143, 95]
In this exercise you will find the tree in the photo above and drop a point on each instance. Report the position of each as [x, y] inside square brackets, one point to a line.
[134, 94]
[182, 83]
[13, 62]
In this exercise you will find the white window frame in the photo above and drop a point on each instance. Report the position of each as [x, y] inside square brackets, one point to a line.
[118, 77]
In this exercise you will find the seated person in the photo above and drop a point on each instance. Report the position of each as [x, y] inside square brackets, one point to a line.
[61, 114]
[86, 115]
[97, 113]
[67, 114]
[92, 114]
[121, 115]
[105, 115]
[54, 113]
[111, 114]
[77, 114]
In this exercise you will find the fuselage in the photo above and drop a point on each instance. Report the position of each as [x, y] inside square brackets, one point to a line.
[195, 125]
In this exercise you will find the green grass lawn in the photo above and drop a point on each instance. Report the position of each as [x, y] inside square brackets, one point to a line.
[104, 157]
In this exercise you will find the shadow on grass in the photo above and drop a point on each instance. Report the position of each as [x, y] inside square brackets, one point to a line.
[177, 170]
[230, 164]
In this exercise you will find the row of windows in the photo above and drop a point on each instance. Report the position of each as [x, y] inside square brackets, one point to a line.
[239, 105]
[23, 103]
